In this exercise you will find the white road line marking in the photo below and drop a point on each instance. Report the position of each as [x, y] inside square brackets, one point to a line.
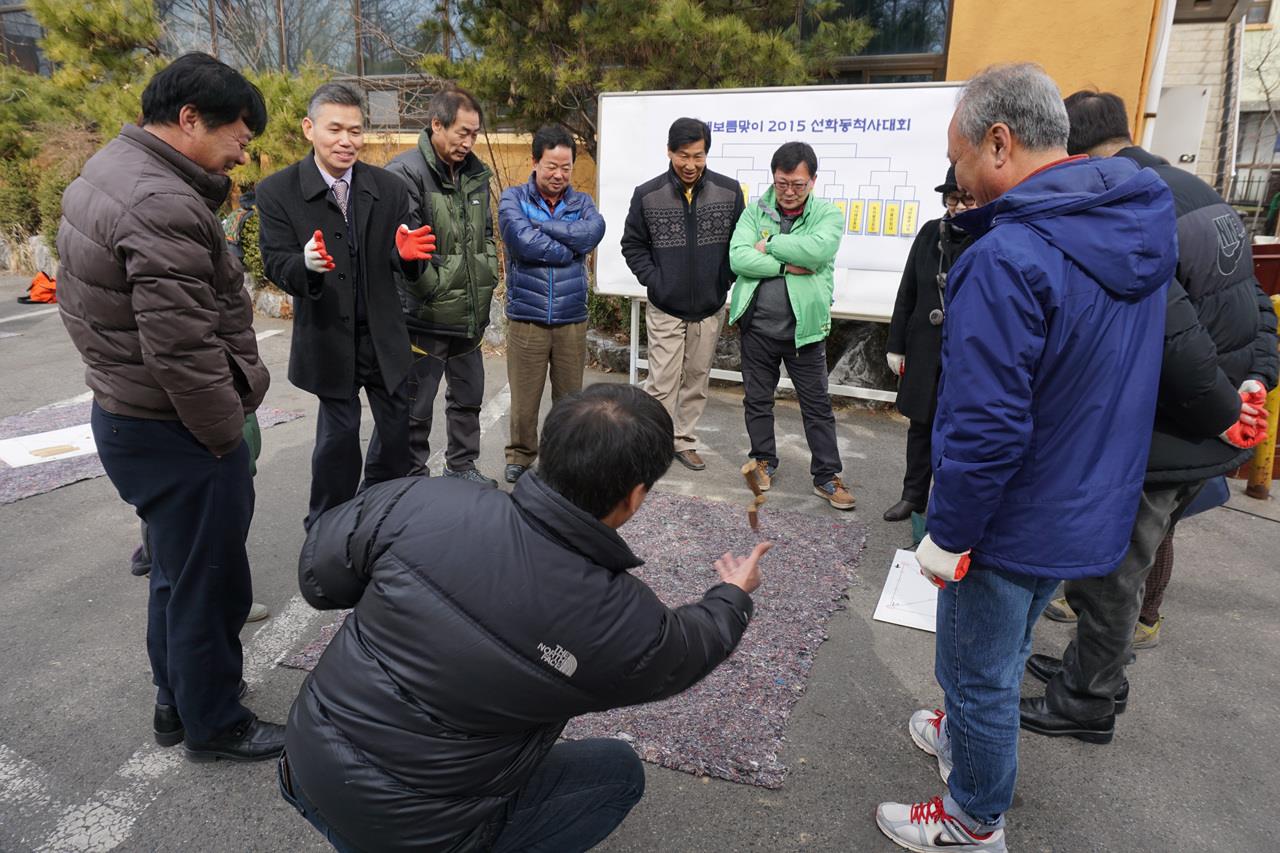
[106, 819]
[269, 333]
[38, 313]
[493, 411]
[24, 787]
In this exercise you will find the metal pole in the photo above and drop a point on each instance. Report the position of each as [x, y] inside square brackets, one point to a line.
[635, 341]
[284, 58]
[213, 29]
[1264, 457]
[359, 38]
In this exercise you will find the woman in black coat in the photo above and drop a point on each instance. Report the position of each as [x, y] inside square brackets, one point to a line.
[914, 350]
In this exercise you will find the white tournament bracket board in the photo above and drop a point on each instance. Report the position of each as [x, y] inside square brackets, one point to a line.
[881, 151]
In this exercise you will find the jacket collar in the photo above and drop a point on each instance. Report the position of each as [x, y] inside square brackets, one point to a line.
[212, 188]
[679, 184]
[314, 185]
[1141, 156]
[568, 201]
[577, 530]
[472, 165]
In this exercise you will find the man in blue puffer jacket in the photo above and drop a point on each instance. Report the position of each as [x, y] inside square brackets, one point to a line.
[1051, 352]
[548, 228]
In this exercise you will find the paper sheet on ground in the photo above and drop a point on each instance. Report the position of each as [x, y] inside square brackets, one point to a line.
[57, 444]
[907, 598]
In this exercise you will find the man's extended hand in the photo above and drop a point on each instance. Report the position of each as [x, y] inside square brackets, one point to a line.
[795, 270]
[897, 362]
[743, 572]
[315, 255]
[416, 245]
[763, 246]
[938, 565]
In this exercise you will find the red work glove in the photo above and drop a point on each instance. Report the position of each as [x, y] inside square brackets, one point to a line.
[940, 566]
[315, 255]
[1250, 429]
[416, 245]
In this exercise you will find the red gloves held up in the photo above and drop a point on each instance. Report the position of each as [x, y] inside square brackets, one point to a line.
[416, 245]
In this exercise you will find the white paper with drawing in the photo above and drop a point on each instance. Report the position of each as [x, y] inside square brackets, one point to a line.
[908, 598]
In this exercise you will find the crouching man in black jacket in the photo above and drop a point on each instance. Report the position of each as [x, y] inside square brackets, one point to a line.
[483, 622]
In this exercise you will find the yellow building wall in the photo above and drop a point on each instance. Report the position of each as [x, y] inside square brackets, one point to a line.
[1107, 44]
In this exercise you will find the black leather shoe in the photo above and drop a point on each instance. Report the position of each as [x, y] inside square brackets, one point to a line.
[900, 511]
[1045, 668]
[250, 741]
[168, 725]
[1036, 717]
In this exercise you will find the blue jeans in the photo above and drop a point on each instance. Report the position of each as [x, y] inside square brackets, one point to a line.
[983, 639]
[579, 794]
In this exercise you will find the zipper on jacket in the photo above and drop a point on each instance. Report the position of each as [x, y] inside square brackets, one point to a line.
[690, 235]
[551, 291]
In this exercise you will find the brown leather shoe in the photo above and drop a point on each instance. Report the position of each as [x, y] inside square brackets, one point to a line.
[691, 460]
[835, 494]
[764, 475]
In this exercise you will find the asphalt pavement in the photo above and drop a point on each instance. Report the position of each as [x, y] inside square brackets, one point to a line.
[1191, 768]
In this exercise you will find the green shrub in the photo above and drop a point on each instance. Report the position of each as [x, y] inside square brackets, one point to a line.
[18, 179]
[252, 251]
[611, 315]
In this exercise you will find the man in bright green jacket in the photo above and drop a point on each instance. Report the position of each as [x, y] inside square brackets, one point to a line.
[783, 252]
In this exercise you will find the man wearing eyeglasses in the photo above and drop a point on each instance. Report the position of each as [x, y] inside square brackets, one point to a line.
[783, 252]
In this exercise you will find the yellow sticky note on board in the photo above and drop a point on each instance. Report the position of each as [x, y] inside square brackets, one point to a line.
[891, 213]
[910, 212]
[856, 209]
[874, 209]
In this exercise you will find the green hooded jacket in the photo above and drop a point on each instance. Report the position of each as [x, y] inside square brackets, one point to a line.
[452, 295]
[812, 243]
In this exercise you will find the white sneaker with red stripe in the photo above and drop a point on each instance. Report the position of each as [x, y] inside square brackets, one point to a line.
[927, 828]
[925, 727]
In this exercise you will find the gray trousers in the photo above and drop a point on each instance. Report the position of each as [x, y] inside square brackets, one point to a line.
[460, 363]
[1093, 663]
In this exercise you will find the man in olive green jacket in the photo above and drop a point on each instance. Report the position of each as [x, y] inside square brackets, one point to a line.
[447, 307]
[783, 252]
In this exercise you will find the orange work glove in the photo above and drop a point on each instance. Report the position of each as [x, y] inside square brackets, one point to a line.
[315, 255]
[1250, 429]
[416, 245]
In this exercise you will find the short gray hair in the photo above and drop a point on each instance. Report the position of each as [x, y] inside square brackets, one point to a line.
[1021, 96]
[342, 94]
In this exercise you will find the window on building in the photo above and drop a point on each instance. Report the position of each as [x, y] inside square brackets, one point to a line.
[1259, 13]
[909, 44]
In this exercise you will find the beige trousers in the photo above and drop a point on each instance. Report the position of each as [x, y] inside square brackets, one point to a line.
[531, 349]
[680, 356]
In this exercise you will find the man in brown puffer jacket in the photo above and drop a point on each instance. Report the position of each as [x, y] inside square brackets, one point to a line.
[156, 304]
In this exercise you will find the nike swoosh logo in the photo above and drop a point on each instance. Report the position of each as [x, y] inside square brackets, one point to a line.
[941, 841]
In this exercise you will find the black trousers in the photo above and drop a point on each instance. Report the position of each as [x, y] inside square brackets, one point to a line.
[336, 460]
[197, 509]
[461, 364]
[762, 358]
[915, 483]
[1093, 663]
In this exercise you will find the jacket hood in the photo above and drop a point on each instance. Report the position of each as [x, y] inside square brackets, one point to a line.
[574, 528]
[1114, 219]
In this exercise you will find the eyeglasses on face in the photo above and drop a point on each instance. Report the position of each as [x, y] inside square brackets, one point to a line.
[792, 186]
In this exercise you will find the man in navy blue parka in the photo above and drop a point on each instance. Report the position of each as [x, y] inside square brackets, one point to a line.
[548, 229]
[1052, 342]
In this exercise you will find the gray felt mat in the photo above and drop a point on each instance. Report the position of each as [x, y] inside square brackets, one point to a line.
[29, 480]
[732, 724]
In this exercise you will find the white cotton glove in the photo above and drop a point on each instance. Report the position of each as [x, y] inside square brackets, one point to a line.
[897, 362]
[940, 566]
[315, 255]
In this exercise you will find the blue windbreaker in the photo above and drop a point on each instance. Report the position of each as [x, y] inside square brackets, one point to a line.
[546, 253]
[1051, 355]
